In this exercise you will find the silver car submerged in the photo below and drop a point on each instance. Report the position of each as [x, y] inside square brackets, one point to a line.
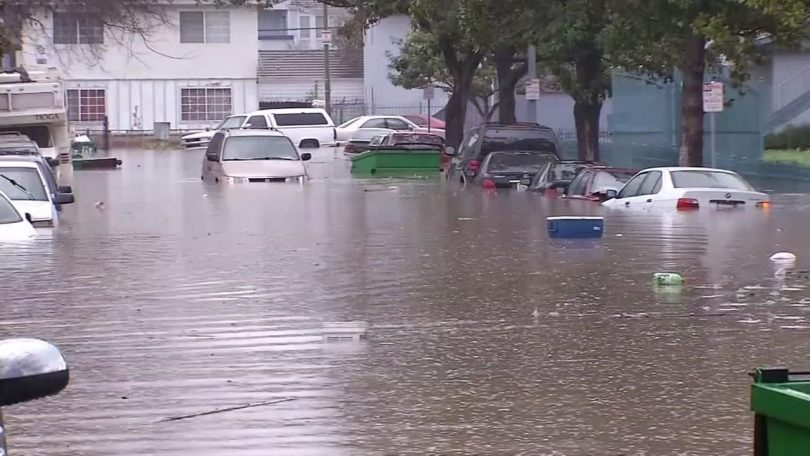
[239, 156]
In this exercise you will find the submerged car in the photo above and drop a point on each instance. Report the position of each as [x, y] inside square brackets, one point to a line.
[557, 176]
[346, 130]
[27, 188]
[507, 169]
[239, 156]
[495, 137]
[200, 139]
[687, 188]
[13, 226]
[362, 139]
[596, 184]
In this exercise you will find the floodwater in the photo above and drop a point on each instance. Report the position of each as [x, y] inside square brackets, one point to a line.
[179, 298]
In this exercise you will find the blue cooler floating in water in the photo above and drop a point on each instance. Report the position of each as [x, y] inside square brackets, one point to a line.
[576, 227]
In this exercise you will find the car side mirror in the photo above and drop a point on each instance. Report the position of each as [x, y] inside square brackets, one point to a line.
[30, 369]
[611, 194]
[207, 128]
[52, 161]
[64, 198]
[306, 156]
[65, 189]
[450, 150]
[211, 158]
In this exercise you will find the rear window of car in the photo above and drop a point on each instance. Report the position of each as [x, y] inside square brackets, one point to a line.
[708, 179]
[517, 162]
[564, 172]
[611, 179]
[415, 138]
[300, 119]
[525, 140]
[7, 212]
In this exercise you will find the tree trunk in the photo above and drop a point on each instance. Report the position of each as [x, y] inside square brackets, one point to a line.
[508, 77]
[463, 71]
[586, 119]
[693, 68]
[588, 95]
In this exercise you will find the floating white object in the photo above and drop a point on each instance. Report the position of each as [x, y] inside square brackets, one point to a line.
[82, 139]
[344, 330]
[783, 256]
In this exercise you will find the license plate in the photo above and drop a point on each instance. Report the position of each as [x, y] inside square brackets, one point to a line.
[727, 203]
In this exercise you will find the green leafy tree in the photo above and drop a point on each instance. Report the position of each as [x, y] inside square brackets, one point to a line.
[572, 49]
[419, 64]
[657, 36]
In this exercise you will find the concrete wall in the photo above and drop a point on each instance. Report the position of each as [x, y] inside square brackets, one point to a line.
[379, 91]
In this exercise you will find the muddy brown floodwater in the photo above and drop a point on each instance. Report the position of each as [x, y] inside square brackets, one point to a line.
[179, 298]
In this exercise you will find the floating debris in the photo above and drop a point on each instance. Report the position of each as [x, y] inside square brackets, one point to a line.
[786, 257]
[668, 278]
[346, 330]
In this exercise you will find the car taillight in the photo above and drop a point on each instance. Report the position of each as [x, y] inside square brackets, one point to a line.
[764, 204]
[475, 165]
[687, 204]
[488, 183]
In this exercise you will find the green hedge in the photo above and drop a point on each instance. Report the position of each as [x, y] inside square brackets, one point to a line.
[791, 137]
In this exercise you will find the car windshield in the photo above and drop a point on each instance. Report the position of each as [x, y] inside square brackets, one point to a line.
[611, 179]
[417, 120]
[232, 122]
[259, 148]
[348, 122]
[18, 149]
[709, 179]
[22, 184]
[517, 163]
[7, 212]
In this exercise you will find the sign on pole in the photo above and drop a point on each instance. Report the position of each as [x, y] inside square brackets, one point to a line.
[326, 36]
[427, 92]
[713, 97]
[533, 89]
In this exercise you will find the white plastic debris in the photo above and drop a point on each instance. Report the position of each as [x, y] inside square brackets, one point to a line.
[82, 139]
[344, 330]
[99, 205]
[783, 257]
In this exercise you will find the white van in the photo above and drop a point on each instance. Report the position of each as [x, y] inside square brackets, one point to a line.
[306, 127]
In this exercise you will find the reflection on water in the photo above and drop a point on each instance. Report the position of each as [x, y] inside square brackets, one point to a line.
[179, 297]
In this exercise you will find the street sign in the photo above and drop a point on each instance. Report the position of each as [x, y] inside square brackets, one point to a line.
[427, 92]
[713, 97]
[326, 36]
[533, 89]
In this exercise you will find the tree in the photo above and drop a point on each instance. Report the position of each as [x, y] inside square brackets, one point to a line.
[657, 36]
[419, 63]
[571, 48]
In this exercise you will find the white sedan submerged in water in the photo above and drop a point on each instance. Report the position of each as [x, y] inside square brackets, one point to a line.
[685, 189]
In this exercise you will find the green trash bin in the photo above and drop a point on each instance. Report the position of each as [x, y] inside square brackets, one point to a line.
[780, 400]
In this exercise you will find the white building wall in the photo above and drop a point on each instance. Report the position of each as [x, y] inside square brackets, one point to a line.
[138, 104]
[147, 77]
[379, 91]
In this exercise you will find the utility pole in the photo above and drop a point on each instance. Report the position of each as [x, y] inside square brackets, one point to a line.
[327, 38]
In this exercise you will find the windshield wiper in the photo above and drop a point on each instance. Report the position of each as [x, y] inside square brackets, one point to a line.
[272, 158]
[16, 184]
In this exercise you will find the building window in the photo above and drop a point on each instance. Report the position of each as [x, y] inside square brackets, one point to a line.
[205, 27]
[205, 104]
[70, 28]
[86, 105]
[304, 27]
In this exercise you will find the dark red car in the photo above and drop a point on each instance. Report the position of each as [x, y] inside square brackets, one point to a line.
[593, 183]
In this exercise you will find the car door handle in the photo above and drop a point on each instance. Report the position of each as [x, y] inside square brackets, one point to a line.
[649, 200]
[627, 203]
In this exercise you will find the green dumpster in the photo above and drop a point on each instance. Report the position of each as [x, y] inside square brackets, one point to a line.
[780, 400]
